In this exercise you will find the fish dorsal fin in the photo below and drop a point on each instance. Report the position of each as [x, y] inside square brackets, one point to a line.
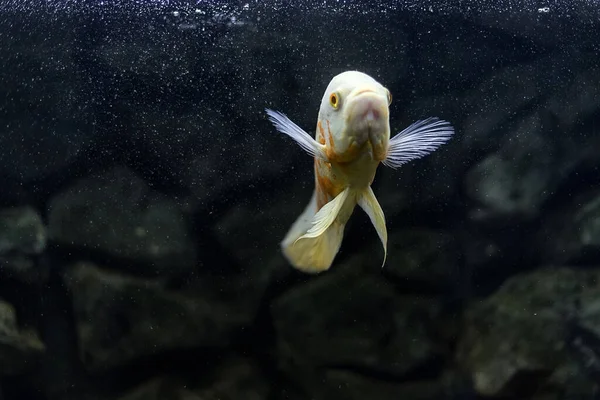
[284, 125]
[368, 202]
[416, 141]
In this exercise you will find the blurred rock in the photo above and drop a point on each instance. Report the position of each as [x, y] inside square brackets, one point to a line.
[571, 234]
[508, 129]
[251, 231]
[21, 230]
[121, 318]
[492, 255]
[317, 324]
[423, 255]
[513, 183]
[340, 384]
[22, 237]
[514, 342]
[582, 376]
[20, 349]
[115, 213]
[159, 389]
[544, 149]
[235, 378]
[483, 118]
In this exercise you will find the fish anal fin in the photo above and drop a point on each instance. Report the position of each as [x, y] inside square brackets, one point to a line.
[368, 202]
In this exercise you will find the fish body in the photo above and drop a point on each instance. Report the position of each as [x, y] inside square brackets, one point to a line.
[352, 138]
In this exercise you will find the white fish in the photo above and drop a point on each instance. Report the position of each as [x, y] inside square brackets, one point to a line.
[352, 138]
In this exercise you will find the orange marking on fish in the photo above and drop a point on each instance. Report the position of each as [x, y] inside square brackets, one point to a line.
[330, 149]
[321, 132]
[352, 151]
[380, 152]
[322, 197]
[325, 182]
[327, 185]
[350, 154]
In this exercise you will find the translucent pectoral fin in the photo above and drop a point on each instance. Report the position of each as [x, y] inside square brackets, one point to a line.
[416, 141]
[284, 125]
[368, 202]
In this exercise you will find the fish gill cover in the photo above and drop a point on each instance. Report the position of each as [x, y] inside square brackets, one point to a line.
[145, 194]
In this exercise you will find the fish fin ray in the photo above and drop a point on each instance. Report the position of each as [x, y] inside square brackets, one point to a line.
[418, 140]
[284, 125]
[368, 202]
[326, 215]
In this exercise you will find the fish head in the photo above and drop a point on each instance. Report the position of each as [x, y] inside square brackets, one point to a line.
[354, 115]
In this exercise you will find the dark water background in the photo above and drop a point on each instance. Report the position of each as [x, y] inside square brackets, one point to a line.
[144, 196]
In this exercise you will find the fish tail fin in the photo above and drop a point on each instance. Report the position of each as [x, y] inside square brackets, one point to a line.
[315, 238]
[316, 254]
[368, 202]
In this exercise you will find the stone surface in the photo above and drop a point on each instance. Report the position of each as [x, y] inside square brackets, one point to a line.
[423, 255]
[115, 213]
[512, 184]
[22, 231]
[22, 238]
[268, 217]
[544, 148]
[514, 342]
[234, 378]
[318, 322]
[571, 233]
[482, 117]
[20, 348]
[120, 319]
[340, 384]
[161, 388]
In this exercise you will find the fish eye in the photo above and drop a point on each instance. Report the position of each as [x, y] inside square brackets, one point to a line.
[334, 100]
[389, 96]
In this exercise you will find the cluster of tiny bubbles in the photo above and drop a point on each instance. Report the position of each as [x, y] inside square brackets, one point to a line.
[219, 10]
[200, 12]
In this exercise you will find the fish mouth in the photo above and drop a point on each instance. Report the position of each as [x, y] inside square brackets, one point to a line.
[368, 106]
[367, 117]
